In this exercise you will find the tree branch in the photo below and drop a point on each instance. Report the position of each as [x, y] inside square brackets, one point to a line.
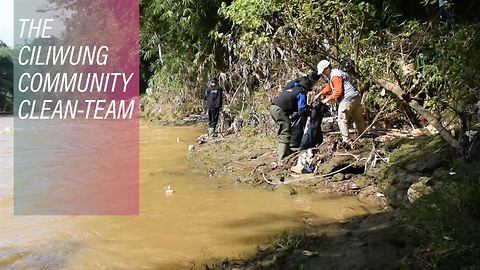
[432, 120]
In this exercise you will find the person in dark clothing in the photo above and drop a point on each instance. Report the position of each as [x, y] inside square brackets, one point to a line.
[298, 122]
[214, 95]
[291, 100]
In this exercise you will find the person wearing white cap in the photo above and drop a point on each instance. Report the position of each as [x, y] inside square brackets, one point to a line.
[341, 89]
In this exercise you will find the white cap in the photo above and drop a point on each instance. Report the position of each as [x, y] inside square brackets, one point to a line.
[321, 66]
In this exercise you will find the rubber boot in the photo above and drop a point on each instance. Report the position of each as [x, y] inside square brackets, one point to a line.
[283, 150]
[210, 132]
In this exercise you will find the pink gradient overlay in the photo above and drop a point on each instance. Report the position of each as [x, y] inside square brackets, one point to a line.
[83, 166]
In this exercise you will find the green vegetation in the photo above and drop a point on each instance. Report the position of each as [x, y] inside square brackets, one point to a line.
[177, 49]
[428, 65]
[446, 221]
[6, 78]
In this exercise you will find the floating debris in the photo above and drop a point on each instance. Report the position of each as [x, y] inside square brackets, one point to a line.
[169, 190]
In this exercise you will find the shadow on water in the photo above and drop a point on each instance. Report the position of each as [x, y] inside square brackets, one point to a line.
[268, 218]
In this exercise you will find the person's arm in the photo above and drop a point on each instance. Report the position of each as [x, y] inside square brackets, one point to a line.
[205, 94]
[323, 93]
[337, 89]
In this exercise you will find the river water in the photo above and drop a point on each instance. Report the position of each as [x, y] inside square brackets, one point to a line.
[203, 220]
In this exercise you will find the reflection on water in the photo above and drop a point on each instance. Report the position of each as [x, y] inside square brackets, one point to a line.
[203, 219]
[76, 167]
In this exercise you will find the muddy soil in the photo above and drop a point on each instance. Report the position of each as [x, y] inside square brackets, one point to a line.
[377, 241]
[252, 160]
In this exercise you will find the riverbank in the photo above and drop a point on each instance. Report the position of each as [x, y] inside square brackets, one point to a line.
[249, 158]
[417, 181]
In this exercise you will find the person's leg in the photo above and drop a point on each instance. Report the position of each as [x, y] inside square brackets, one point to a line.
[216, 114]
[285, 135]
[357, 115]
[211, 121]
[283, 122]
[210, 117]
[284, 131]
[343, 114]
[274, 110]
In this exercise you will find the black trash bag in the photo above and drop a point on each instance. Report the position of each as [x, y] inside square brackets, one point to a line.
[298, 125]
[313, 135]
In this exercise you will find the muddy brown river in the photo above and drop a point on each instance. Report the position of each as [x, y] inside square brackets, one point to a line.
[203, 220]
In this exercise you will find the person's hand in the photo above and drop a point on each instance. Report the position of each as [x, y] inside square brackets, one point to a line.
[309, 109]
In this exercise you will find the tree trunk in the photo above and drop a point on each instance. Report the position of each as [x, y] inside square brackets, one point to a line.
[432, 120]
